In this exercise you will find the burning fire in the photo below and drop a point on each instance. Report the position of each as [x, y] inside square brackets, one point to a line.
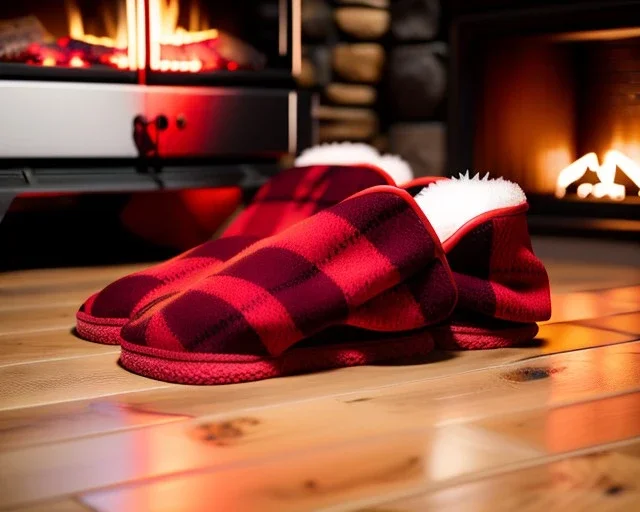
[172, 47]
[605, 172]
[166, 34]
[117, 28]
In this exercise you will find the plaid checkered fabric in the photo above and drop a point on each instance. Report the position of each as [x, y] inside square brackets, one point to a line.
[289, 197]
[497, 273]
[372, 261]
[503, 288]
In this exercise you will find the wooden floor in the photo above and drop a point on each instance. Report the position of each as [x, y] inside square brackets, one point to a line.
[555, 426]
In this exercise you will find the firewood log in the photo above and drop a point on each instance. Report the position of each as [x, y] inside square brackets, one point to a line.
[216, 53]
[91, 53]
[235, 50]
[17, 34]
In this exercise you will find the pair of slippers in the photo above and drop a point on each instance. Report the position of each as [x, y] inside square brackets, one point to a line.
[339, 261]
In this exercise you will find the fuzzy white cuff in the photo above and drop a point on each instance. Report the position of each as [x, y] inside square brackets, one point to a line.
[346, 153]
[449, 204]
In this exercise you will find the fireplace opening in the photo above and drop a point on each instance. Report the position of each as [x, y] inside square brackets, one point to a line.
[560, 115]
[166, 36]
[549, 97]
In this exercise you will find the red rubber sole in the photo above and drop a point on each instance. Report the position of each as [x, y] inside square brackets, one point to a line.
[209, 369]
[99, 330]
[467, 337]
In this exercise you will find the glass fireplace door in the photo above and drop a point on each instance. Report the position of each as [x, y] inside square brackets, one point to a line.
[77, 39]
[149, 41]
[208, 41]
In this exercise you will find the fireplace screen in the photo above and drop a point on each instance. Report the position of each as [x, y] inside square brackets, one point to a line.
[165, 36]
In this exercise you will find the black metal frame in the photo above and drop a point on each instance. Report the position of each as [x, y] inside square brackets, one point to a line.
[123, 178]
[472, 25]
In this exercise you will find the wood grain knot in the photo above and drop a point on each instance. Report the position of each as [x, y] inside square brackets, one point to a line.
[530, 373]
[223, 432]
[614, 489]
[310, 485]
[358, 400]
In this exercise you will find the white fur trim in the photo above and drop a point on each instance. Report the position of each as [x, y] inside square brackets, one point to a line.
[338, 153]
[397, 168]
[346, 153]
[449, 204]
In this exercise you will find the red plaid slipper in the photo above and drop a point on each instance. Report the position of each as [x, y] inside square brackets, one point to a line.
[503, 288]
[291, 196]
[371, 262]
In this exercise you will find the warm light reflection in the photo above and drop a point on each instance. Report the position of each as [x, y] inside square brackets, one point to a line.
[605, 172]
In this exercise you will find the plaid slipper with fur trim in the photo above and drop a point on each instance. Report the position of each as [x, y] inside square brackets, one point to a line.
[503, 288]
[324, 175]
[371, 262]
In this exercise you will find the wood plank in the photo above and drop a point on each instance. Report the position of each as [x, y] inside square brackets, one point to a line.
[56, 287]
[630, 294]
[576, 264]
[569, 307]
[576, 276]
[62, 276]
[605, 480]
[47, 345]
[90, 414]
[363, 461]
[573, 427]
[72, 294]
[627, 323]
[67, 505]
[244, 436]
[564, 337]
[345, 476]
[32, 384]
[40, 319]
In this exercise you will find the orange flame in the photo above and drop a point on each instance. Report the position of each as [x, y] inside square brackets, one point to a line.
[126, 33]
[122, 30]
[164, 30]
[118, 37]
[606, 173]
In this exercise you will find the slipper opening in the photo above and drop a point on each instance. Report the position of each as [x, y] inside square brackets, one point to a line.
[449, 204]
[353, 153]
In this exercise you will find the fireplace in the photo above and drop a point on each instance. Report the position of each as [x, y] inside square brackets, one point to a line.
[122, 95]
[548, 94]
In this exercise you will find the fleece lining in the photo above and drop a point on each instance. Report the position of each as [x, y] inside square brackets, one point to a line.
[449, 204]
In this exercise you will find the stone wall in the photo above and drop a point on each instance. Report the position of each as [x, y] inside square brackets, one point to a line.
[380, 68]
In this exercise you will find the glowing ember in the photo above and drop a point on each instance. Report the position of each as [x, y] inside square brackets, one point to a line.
[77, 62]
[605, 172]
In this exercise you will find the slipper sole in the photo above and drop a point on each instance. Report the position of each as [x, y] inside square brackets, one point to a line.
[466, 337]
[208, 369]
[99, 330]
